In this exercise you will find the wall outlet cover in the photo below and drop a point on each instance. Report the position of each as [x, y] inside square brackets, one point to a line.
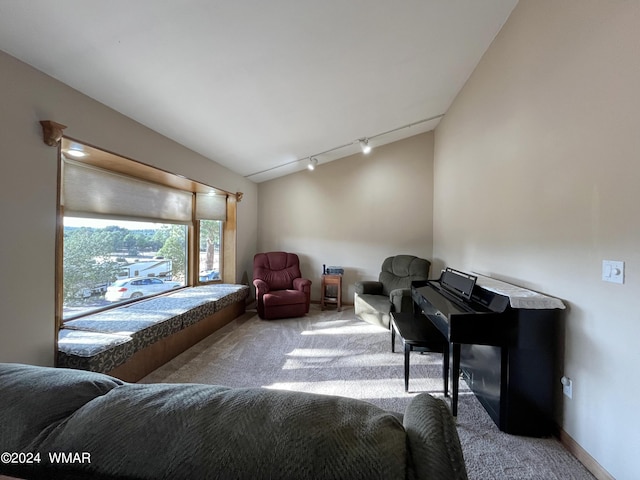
[613, 271]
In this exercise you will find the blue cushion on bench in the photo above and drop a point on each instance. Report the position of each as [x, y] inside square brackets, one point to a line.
[145, 327]
[93, 351]
[105, 340]
[226, 294]
[187, 306]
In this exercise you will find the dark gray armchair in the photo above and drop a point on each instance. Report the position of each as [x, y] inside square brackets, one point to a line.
[374, 301]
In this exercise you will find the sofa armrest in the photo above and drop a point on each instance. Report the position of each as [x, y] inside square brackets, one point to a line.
[262, 287]
[401, 300]
[302, 284]
[368, 287]
[434, 445]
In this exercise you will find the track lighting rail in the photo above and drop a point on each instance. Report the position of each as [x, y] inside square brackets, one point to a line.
[364, 143]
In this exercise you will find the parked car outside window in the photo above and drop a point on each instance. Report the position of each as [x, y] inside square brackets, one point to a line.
[137, 287]
[209, 275]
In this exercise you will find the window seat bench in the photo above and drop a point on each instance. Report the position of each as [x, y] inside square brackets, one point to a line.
[131, 341]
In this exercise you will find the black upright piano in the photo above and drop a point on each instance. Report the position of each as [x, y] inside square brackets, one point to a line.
[503, 343]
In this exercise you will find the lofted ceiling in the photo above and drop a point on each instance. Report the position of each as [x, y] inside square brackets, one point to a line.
[260, 86]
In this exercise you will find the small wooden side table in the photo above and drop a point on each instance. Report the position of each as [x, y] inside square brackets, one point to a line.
[332, 294]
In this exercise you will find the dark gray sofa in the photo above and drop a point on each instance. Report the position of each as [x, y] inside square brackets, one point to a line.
[154, 431]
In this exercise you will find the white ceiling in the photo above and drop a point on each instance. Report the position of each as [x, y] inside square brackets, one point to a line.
[255, 84]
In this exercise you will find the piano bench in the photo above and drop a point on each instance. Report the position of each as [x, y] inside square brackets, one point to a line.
[418, 334]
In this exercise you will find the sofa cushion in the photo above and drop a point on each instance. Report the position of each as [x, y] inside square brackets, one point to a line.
[236, 433]
[33, 402]
[284, 297]
[188, 431]
[203, 431]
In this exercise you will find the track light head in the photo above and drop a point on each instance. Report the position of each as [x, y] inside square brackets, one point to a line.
[312, 163]
[364, 145]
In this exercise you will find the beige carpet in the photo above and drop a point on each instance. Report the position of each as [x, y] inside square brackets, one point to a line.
[335, 353]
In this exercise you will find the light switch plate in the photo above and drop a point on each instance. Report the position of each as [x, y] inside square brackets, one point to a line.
[613, 271]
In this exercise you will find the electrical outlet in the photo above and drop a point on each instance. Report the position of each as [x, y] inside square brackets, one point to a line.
[613, 271]
[567, 386]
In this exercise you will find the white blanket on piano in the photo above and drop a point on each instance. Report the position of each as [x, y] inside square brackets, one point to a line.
[519, 297]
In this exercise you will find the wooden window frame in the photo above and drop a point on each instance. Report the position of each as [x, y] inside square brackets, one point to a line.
[132, 168]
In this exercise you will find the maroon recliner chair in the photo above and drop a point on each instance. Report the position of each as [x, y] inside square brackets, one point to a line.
[281, 292]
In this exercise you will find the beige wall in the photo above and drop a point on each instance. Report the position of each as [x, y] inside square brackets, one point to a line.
[28, 189]
[352, 212]
[537, 181]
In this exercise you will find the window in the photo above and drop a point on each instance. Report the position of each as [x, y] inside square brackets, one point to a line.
[129, 231]
[210, 258]
[102, 259]
[210, 214]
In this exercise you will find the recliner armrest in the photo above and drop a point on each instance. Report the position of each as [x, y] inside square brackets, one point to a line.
[303, 284]
[262, 287]
[401, 299]
[368, 287]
